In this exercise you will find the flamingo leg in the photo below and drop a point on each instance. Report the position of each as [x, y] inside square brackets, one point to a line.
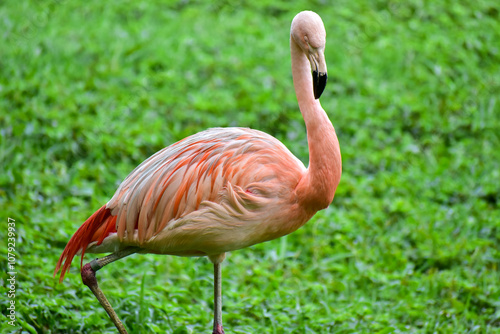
[89, 279]
[218, 299]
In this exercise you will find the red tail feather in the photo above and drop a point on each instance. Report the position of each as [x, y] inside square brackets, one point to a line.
[95, 228]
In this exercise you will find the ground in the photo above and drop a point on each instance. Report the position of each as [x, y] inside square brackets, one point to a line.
[410, 244]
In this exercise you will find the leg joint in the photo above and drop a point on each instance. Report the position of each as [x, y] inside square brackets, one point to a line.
[88, 275]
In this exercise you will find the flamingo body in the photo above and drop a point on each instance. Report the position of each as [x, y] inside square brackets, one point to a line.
[216, 191]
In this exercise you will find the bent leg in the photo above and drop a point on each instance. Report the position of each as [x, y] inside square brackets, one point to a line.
[89, 279]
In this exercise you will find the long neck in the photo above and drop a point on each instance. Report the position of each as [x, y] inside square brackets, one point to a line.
[317, 187]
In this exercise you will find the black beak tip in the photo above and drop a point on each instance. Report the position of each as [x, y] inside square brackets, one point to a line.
[319, 83]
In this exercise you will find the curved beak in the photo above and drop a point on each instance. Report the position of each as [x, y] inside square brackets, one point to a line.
[319, 73]
[319, 83]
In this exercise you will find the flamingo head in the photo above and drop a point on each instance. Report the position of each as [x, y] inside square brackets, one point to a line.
[309, 33]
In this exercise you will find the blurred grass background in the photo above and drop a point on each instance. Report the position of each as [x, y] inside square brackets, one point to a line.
[410, 244]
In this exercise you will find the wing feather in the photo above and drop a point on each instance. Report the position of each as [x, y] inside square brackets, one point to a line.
[175, 181]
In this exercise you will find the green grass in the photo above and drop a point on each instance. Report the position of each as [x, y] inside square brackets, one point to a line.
[410, 244]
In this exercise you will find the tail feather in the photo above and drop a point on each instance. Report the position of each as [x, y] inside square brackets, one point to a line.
[95, 228]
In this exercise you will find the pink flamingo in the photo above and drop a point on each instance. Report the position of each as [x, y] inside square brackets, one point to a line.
[221, 189]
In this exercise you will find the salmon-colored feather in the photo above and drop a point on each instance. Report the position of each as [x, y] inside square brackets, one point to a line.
[94, 229]
[107, 229]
